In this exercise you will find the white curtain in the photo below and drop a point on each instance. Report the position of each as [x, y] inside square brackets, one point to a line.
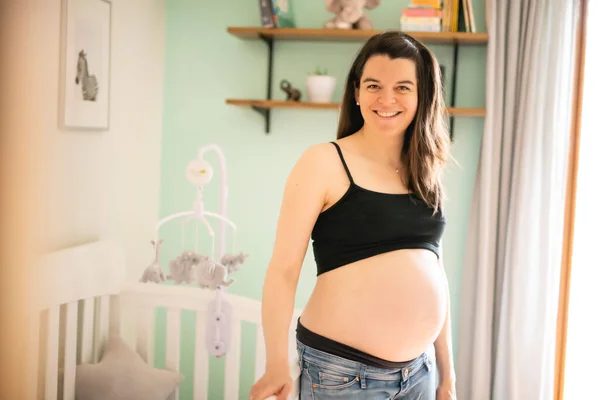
[513, 256]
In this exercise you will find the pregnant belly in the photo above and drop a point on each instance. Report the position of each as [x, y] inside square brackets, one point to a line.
[391, 306]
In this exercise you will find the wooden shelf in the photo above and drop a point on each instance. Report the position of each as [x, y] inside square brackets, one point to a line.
[466, 112]
[270, 104]
[270, 35]
[352, 35]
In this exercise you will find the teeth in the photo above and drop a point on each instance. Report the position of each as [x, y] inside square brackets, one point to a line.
[387, 114]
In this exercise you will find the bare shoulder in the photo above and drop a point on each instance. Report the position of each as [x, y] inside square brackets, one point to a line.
[309, 182]
[304, 196]
[316, 161]
[319, 155]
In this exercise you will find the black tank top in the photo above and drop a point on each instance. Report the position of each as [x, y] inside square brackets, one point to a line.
[364, 223]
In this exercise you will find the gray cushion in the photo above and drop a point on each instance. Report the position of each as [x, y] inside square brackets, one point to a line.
[123, 375]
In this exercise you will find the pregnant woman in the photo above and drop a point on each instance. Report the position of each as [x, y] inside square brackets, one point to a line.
[372, 203]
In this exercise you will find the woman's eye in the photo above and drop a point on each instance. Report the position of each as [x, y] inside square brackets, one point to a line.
[372, 87]
[403, 88]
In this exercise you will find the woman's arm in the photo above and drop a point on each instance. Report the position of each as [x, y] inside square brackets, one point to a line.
[303, 199]
[443, 343]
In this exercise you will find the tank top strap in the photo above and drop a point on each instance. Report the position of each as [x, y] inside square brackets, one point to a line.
[343, 162]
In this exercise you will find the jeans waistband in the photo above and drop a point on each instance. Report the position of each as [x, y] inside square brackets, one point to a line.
[366, 371]
[332, 347]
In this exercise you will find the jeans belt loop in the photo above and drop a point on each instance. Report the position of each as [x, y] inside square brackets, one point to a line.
[427, 362]
[363, 376]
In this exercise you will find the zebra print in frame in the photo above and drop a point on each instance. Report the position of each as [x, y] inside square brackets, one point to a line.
[89, 83]
[85, 64]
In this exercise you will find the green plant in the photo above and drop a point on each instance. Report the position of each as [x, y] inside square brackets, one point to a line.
[319, 71]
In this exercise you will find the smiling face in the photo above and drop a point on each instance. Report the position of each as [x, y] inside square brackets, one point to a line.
[387, 94]
[397, 82]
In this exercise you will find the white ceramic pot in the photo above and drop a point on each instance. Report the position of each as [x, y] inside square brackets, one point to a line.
[320, 88]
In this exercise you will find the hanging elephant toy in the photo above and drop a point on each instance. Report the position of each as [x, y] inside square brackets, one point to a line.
[182, 269]
[212, 275]
[233, 262]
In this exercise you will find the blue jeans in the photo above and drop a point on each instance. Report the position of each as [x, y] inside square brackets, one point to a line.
[325, 376]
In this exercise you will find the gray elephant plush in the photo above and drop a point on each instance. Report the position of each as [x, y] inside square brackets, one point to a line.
[233, 262]
[183, 267]
[212, 275]
[349, 14]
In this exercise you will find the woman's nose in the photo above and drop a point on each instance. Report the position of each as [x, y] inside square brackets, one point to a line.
[387, 97]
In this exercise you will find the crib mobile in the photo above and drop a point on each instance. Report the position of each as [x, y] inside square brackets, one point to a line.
[205, 270]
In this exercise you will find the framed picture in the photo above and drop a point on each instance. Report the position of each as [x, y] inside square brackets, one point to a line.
[85, 64]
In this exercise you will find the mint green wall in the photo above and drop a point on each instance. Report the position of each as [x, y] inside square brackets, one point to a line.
[204, 66]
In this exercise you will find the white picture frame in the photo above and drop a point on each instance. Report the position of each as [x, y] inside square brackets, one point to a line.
[85, 79]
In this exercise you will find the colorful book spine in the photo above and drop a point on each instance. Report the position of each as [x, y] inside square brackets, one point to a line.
[426, 3]
[418, 27]
[266, 13]
[422, 16]
[283, 11]
[422, 12]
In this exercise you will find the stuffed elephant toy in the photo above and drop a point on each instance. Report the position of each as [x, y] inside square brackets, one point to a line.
[212, 275]
[183, 267]
[349, 14]
[233, 262]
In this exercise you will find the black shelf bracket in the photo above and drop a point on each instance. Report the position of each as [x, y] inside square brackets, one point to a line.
[262, 111]
[453, 93]
[266, 112]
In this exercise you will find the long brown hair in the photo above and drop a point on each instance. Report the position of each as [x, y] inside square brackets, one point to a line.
[426, 141]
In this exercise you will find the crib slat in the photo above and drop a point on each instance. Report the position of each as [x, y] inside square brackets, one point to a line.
[200, 359]
[173, 339]
[232, 362]
[70, 352]
[104, 320]
[259, 358]
[51, 381]
[87, 332]
[114, 322]
[145, 334]
[102, 317]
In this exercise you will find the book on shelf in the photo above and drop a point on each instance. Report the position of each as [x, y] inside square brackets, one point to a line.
[438, 16]
[422, 16]
[277, 13]
[266, 14]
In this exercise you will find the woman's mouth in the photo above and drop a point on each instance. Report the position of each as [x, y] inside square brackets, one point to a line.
[391, 114]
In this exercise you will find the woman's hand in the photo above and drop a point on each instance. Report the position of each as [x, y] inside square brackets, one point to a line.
[446, 391]
[276, 382]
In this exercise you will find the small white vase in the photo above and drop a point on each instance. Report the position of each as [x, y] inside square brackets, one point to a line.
[320, 88]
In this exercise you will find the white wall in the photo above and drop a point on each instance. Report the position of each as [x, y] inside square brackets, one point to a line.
[103, 183]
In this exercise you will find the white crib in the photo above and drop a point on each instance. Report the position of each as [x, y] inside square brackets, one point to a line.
[81, 297]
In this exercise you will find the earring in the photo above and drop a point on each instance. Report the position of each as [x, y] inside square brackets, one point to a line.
[357, 103]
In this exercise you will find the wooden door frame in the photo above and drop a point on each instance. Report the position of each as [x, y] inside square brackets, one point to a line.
[570, 204]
